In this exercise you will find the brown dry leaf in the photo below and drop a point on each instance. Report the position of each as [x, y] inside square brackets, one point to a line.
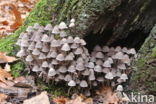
[6, 59]
[60, 100]
[109, 97]
[4, 75]
[3, 97]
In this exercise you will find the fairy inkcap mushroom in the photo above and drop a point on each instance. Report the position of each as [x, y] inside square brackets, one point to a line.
[105, 49]
[35, 52]
[42, 56]
[119, 88]
[80, 67]
[78, 51]
[124, 76]
[60, 57]
[65, 47]
[62, 26]
[56, 30]
[70, 39]
[51, 72]
[48, 27]
[72, 20]
[63, 41]
[38, 45]
[45, 64]
[97, 68]
[55, 43]
[71, 83]
[109, 76]
[63, 34]
[99, 55]
[107, 64]
[83, 83]
[122, 66]
[45, 38]
[68, 77]
[62, 69]
[71, 24]
[77, 40]
[29, 58]
[97, 48]
[71, 68]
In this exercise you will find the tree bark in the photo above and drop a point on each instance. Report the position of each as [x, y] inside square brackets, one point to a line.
[104, 22]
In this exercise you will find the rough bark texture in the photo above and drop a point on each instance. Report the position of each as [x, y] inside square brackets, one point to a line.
[104, 22]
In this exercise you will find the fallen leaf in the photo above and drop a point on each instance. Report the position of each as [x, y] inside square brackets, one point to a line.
[60, 100]
[3, 97]
[4, 75]
[6, 59]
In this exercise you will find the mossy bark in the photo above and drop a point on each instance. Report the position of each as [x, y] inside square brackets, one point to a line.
[104, 22]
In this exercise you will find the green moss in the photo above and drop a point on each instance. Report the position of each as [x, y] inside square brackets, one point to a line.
[17, 68]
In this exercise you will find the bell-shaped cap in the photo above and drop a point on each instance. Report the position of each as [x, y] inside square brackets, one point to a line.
[36, 26]
[91, 77]
[24, 43]
[71, 69]
[107, 64]
[21, 53]
[51, 72]
[72, 20]
[48, 27]
[119, 88]
[80, 67]
[118, 55]
[106, 70]
[91, 65]
[54, 62]
[97, 48]
[124, 76]
[70, 39]
[86, 72]
[71, 83]
[99, 55]
[69, 57]
[18, 42]
[132, 51]
[61, 76]
[122, 66]
[82, 42]
[74, 46]
[42, 56]
[77, 40]
[78, 51]
[83, 84]
[65, 47]
[118, 49]
[55, 43]
[98, 68]
[45, 64]
[62, 69]
[100, 79]
[38, 45]
[126, 60]
[72, 24]
[36, 68]
[30, 29]
[63, 41]
[29, 58]
[45, 38]
[53, 54]
[31, 46]
[95, 83]
[99, 62]
[62, 25]
[68, 78]
[125, 50]
[45, 48]
[105, 49]
[60, 57]
[80, 59]
[63, 34]
[109, 76]
[56, 30]
[37, 37]
[110, 60]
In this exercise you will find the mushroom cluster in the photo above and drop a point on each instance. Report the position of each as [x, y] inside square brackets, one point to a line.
[57, 57]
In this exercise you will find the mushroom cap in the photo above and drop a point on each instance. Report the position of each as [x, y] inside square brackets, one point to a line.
[132, 51]
[105, 49]
[48, 27]
[72, 20]
[99, 55]
[92, 76]
[77, 40]
[62, 25]
[119, 88]
[56, 30]
[37, 37]
[60, 57]
[124, 76]
[62, 69]
[42, 56]
[71, 68]
[21, 53]
[78, 51]
[36, 26]
[70, 39]
[80, 59]
[36, 52]
[99, 62]
[110, 60]
[69, 57]
[107, 64]
[118, 49]
[86, 72]
[80, 66]
[45, 48]
[24, 43]
[106, 70]
[121, 66]
[31, 46]
[109, 76]
[55, 43]
[65, 47]
[63, 41]
[53, 54]
[63, 34]
[124, 49]
[25, 37]
[83, 83]
[74, 46]
[98, 68]
[18, 42]
[61, 76]
[36, 68]
[83, 42]
[54, 62]
[45, 38]
[126, 60]
[51, 72]
[72, 24]
[71, 83]
[68, 78]
[91, 65]
[45, 64]
[94, 83]
[100, 79]
[118, 55]
[29, 58]
[38, 45]
[97, 48]
[30, 29]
